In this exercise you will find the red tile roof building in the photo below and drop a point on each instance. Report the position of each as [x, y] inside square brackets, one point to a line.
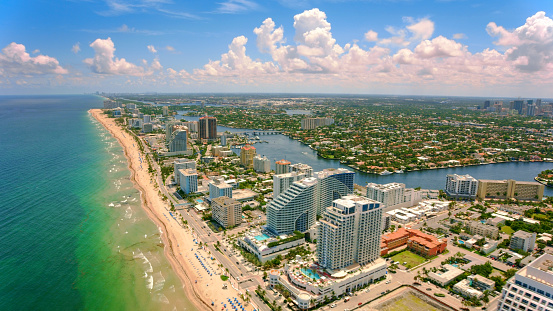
[418, 242]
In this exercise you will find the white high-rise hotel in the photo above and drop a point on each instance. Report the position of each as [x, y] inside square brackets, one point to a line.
[389, 194]
[464, 186]
[531, 288]
[297, 207]
[349, 232]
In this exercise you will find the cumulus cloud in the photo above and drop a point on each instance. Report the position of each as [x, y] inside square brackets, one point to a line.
[76, 48]
[371, 36]
[105, 62]
[439, 47]
[236, 63]
[152, 49]
[14, 60]
[422, 30]
[530, 46]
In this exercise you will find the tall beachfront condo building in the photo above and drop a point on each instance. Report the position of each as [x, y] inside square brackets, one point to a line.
[182, 164]
[226, 211]
[165, 110]
[191, 125]
[349, 232]
[247, 153]
[531, 288]
[523, 240]
[297, 207]
[282, 167]
[169, 130]
[311, 123]
[461, 186]
[208, 128]
[281, 182]
[178, 140]
[261, 164]
[302, 168]
[508, 189]
[188, 180]
[147, 118]
[219, 188]
[390, 195]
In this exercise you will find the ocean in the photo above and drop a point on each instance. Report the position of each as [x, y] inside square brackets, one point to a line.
[72, 232]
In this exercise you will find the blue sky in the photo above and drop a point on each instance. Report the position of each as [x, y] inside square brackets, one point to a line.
[473, 48]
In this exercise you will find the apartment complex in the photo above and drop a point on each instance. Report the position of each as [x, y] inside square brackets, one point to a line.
[311, 123]
[523, 240]
[261, 164]
[349, 232]
[531, 288]
[247, 153]
[301, 168]
[282, 182]
[219, 188]
[461, 186]
[182, 164]
[298, 206]
[178, 140]
[208, 128]
[282, 167]
[188, 180]
[226, 211]
[479, 228]
[391, 195]
[510, 189]
[418, 242]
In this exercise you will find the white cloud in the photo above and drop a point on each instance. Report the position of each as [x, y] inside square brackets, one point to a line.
[371, 36]
[422, 30]
[459, 36]
[76, 48]
[268, 36]
[236, 63]
[14, 60]
[236, 6]
[152, 49]
[439, 47]
[36, 51]
[530, 45]
[105, 62]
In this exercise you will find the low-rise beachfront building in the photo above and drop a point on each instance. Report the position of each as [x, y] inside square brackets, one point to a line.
[266, 246]
[445, 275]
[307, 281]
[182, 164]
[522, 240]
[219, 188]
[474, 286]
[461, 186]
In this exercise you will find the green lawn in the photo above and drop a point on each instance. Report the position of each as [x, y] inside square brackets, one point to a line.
[507, 229]
[412, 259]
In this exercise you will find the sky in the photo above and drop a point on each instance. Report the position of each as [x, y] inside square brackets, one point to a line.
[484, 48]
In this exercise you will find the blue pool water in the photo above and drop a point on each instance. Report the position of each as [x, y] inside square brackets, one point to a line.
[199, 201]
[460, 241]
[310, 273]
[262, 237]
[456, 266]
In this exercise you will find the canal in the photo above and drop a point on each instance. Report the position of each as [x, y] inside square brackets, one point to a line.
[282, 147]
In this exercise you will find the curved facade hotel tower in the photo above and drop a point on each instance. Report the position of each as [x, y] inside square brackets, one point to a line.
[297, 207]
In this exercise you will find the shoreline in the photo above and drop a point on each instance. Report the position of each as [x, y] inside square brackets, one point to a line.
[178, 242]
[353, 167]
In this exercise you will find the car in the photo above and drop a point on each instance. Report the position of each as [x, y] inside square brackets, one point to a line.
[428, 288]
[383, 293]
[333, 305]
[238, 279]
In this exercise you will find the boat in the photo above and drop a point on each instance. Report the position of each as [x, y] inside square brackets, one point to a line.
[386, 173]
[398, 171]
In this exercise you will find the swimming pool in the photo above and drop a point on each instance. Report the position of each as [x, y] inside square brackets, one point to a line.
[310, 273]
[460, 241]
[199, 201]
[261, 237]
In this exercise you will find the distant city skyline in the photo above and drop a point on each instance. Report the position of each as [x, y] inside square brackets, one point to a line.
[458, 48]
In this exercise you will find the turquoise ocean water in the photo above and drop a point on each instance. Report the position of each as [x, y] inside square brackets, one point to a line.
[73, 235]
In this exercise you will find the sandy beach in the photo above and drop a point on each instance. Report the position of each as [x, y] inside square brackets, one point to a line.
[202, 283]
